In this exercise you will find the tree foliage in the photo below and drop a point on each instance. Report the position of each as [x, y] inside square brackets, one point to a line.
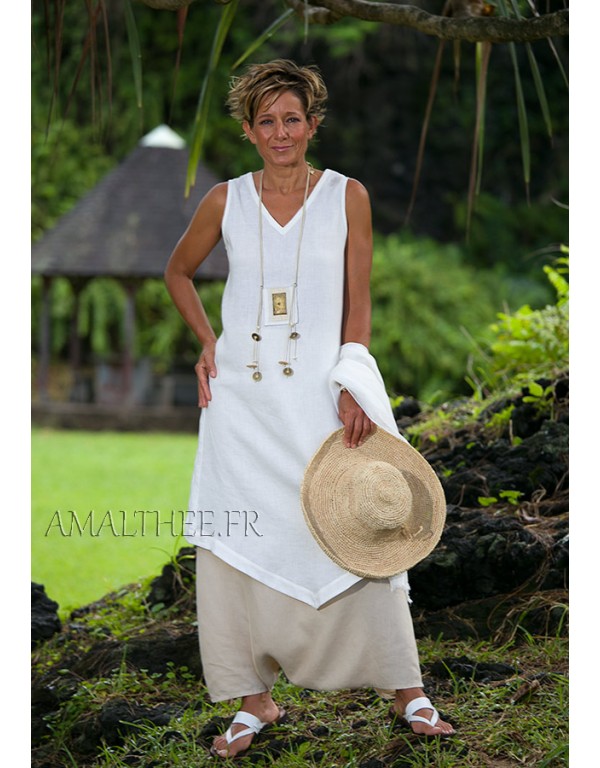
[470, 20]
[85, 118]
[528, 344]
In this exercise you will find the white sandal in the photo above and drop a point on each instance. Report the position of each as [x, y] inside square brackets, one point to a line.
[421, 703]
[253, 726]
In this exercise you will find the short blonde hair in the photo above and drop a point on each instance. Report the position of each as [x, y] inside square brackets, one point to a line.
[262, 80]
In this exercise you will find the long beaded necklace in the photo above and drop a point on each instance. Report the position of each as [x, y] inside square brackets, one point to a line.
[292, 340]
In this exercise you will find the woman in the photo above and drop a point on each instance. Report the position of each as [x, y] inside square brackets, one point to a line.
[299, 244]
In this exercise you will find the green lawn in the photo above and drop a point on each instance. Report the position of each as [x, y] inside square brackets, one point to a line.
[107, 509]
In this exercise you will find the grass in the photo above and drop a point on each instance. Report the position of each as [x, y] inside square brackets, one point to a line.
[517, 721]
[521, 720]
[124, 480]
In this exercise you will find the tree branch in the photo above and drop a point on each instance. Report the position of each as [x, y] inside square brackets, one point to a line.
[316, 15]
[472, 29]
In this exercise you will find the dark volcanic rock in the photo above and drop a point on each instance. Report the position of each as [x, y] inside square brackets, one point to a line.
[176, 581]
[539, 613]
[408, 407]
[480, 555]
[481, 671]
[44, 615]
[117, 718]
[157, 650]
[48, 693]
[480, 470]
[520, 541]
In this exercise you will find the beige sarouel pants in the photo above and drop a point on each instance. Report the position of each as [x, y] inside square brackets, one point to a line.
[248, 632]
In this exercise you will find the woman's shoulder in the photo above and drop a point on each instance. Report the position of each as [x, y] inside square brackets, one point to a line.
[216, 197]
[356, 191]
[353, 186]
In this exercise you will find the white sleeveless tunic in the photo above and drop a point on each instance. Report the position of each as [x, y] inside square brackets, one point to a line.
[256, 438]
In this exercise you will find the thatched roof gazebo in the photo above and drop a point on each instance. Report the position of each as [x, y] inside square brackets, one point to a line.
[125, 228]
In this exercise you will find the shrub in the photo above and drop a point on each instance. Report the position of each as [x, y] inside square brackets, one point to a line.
[424, 299]
[528, 344]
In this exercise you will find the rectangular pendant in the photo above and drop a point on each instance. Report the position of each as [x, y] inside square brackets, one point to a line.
[278, 304]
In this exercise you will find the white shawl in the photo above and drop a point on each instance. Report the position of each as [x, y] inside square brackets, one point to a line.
[357, 371]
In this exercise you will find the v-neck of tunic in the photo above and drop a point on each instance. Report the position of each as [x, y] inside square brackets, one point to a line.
[270, 218]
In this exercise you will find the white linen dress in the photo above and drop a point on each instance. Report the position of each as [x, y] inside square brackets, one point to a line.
[268, 597]
[256, 438]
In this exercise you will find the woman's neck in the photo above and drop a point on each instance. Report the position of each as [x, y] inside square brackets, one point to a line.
[285, 180]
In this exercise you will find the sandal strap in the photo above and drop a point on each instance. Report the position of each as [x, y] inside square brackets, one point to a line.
[422, 702]
[254, 725]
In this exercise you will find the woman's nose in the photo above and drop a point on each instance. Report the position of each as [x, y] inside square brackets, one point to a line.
[281, 128]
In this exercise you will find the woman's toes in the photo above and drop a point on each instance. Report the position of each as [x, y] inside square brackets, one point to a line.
[445, 728]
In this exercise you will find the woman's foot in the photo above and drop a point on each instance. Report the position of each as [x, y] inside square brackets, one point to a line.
[262, 707]
[425, 720]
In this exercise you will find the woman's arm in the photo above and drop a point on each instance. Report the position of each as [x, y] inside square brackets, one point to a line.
[356, 323]
[201, 236]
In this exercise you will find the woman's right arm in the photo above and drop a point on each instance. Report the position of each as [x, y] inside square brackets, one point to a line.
[201, 236]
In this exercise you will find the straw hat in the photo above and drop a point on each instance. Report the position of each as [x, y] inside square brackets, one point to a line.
[376, 510]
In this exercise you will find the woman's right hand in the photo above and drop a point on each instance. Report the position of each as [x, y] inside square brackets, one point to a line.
[205, 370]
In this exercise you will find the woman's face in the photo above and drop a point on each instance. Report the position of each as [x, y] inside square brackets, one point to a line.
[281, 131]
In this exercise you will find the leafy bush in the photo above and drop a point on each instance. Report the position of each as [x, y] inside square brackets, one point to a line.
[528, 344]
[161, 334]
[424, 299]
[65, 164]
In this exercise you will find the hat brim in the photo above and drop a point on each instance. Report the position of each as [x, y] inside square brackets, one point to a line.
[324, 506]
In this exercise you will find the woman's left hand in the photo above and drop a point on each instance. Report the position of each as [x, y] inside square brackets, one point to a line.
[357, 425]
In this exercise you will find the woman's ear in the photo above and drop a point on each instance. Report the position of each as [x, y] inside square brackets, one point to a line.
[247, 128]
[313, 124]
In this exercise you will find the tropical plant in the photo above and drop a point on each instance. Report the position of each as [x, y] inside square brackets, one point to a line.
[511, 22]
[528, 344]
[424, 298]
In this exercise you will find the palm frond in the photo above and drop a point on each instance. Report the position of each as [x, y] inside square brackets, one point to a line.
[537, 78]
[521, 106]
[424, 129]
[483, 53]
[181, 22]
[136, 52]
[201, 118]
[561, 68]
[539, 87]
[109, 75]
[271, 29]
[54, 56]
[522, 116]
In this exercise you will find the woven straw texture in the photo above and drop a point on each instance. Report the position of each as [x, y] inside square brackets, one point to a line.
[376, 510]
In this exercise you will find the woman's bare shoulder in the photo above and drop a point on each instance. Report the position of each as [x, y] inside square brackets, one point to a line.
[354, 186]
[357, 196]
[217, 195]
[212, 205]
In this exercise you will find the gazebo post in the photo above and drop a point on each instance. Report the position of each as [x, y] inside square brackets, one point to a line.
[77, 285]
[44, 356]
[129, 347]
